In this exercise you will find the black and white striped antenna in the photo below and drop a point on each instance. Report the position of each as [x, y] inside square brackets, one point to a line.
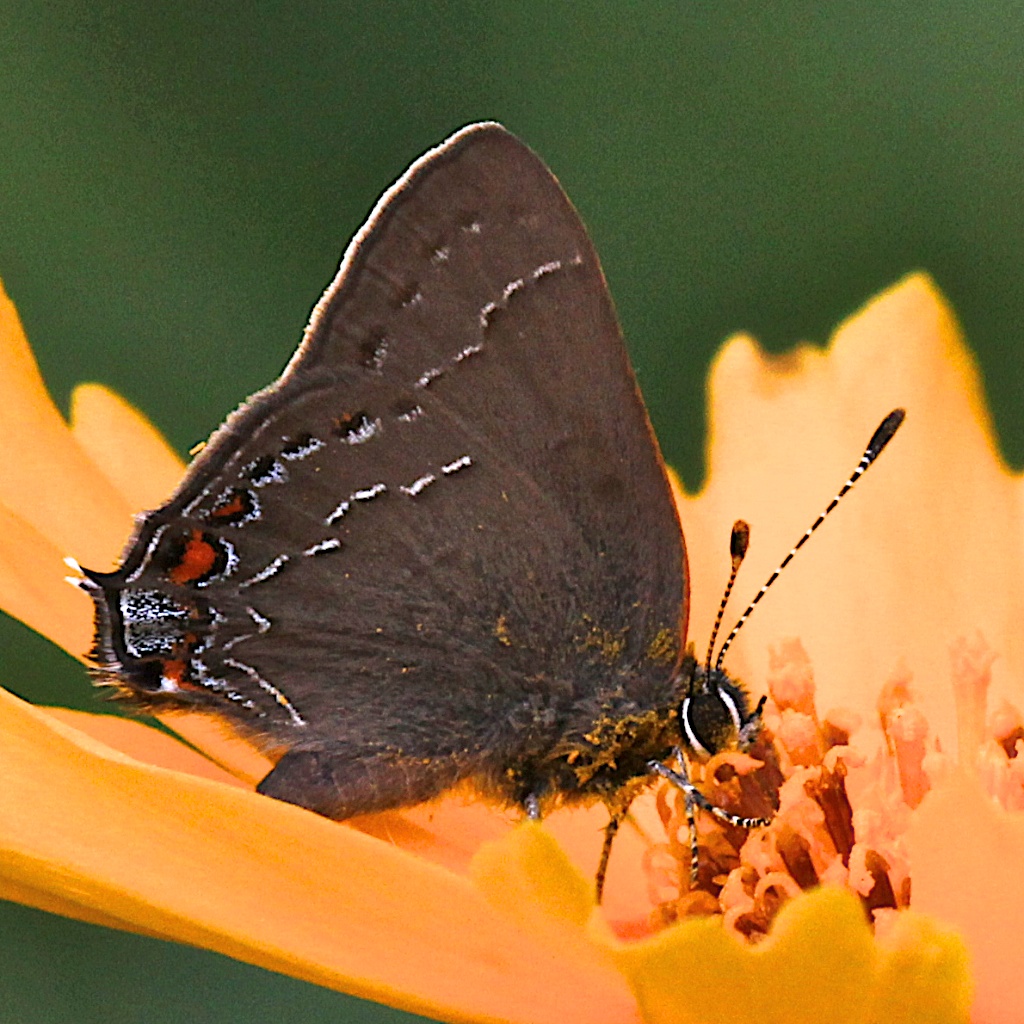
[881, 437]
[738, 544]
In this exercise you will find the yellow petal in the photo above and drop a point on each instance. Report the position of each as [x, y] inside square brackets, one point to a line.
[819, 965]
[924, 975]
[529, 877]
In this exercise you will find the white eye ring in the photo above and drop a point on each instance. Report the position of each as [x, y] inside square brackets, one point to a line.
[691, 737]
[726, 698]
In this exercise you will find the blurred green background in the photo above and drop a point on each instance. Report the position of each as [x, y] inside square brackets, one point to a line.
[177, 183]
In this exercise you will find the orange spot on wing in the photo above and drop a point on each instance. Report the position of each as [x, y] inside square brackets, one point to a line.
[198, 559]
[174, 670]
[235, 507]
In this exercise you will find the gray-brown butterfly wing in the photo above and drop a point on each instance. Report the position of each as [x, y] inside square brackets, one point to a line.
[443, 541]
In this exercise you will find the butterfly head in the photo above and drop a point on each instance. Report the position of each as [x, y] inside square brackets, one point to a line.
[715, 715]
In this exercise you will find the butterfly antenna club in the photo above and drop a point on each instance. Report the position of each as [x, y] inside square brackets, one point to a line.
[879, 439]
[739, 541]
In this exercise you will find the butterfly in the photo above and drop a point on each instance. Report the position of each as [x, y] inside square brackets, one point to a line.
[442, 547]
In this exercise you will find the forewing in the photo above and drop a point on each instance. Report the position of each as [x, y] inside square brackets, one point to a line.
[448, 518]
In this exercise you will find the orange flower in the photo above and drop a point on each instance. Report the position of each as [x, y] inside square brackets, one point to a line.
[456, 911]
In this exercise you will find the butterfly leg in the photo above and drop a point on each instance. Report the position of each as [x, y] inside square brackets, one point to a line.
[611, 830]
[680, 778]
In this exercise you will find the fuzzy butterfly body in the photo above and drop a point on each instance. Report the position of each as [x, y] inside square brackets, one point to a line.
[442, 546]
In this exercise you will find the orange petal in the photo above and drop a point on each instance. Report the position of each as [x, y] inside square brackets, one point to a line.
[199, 862]
[531, 875]
[126, 448]
[145, 744]
[450, 831]
[447, 832]
[966, 854]
[33, 588]
[928, 546]
[221, 743]
[53, 901]
[63, 485]
[47, 480]
[52, 501]
[580, 832]
[529, 880]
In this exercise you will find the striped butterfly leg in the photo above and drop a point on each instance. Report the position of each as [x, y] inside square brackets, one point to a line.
[680, 778]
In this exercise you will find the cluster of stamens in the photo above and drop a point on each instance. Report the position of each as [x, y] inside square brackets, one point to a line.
[844, 791]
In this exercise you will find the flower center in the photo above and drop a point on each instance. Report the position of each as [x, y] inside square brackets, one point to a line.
[844, 795]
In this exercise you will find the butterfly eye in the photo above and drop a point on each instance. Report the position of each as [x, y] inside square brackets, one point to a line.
[707, 724]
[718, 719]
